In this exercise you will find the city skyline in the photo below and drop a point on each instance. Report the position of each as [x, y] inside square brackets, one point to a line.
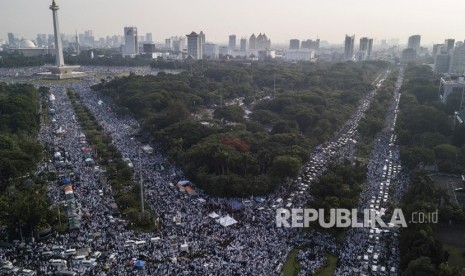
[329, 21]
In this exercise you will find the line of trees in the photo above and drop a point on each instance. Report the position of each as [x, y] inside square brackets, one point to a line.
[421, 252]
[126, 192]
[426, 128]
[221, 148]
[24, 205]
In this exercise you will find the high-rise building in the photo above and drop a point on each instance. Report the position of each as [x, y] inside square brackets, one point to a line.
[457, 64]
[449, 43]
[202, 38]
[178, 43]
[148, 37]
[253, 42]
[442, 59]
[244, 44]
[294, 44]
[436, 48]
[148, 48]
[131, 43]
[168, 44]
[194, 45]
[414, 43]
[310, 44]
[263, 42]
[11, 39]
[349, 47]
[88, 38]
[408, 55]
[211, 51]
[42, 40]
[365, 48]
[232, 42]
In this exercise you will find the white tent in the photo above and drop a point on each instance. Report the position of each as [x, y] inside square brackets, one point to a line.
[213, 215]
[52, 97]
[184, 247]
[226, 221]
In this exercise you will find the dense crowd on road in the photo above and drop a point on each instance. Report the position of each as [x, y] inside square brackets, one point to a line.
[195, 244]
[374, 250]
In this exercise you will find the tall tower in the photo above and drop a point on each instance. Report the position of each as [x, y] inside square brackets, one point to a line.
[60, 61]
[60, 70]
[349, 47]
[414, 42]
[194, 45]
[131, 43]
[232, 42]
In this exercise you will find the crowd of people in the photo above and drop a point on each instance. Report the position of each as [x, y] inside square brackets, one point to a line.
[196, 244]
[374, 250]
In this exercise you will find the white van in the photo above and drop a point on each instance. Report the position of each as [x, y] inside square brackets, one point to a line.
[88, 263]
[69, 252]
[57, 262]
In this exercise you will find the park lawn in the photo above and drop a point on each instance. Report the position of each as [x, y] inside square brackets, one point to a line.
[457, 255]
[329, 269]
[291, 266]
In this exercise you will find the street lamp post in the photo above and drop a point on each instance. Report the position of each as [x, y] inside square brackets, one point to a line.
[141, 184]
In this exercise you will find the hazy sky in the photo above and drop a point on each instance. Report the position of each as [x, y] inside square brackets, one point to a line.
[280, 20]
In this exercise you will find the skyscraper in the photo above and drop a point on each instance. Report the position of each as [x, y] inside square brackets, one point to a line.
[310, 44]
[450, 44]
[148, 37]
[11, 39]
[366, 46]
[349, 47]
[294, 44]
[252, 42]
[194, 45]
[131, 43]
[232, 42]
[414, 43]
[457, 63]
[244, 44]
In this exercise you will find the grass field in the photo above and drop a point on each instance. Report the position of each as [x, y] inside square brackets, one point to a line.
[291, 266]
[328, 270]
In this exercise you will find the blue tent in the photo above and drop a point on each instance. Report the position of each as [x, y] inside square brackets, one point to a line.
[65, 181]
[139, 264]
[234, 204]
[259, 199]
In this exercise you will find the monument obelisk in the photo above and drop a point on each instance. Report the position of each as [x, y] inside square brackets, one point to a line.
[60, 70]
[60, 61]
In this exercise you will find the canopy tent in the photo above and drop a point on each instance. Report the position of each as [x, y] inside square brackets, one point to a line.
[147, 149]
[139, 264]
[184, 247]
[89, 161]
[68, 189]
[190, 190]
[226, 221]
[213, 215]
[234, 204]
[65, 181]
[184, 182]
[260, 199]
[52, 97]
